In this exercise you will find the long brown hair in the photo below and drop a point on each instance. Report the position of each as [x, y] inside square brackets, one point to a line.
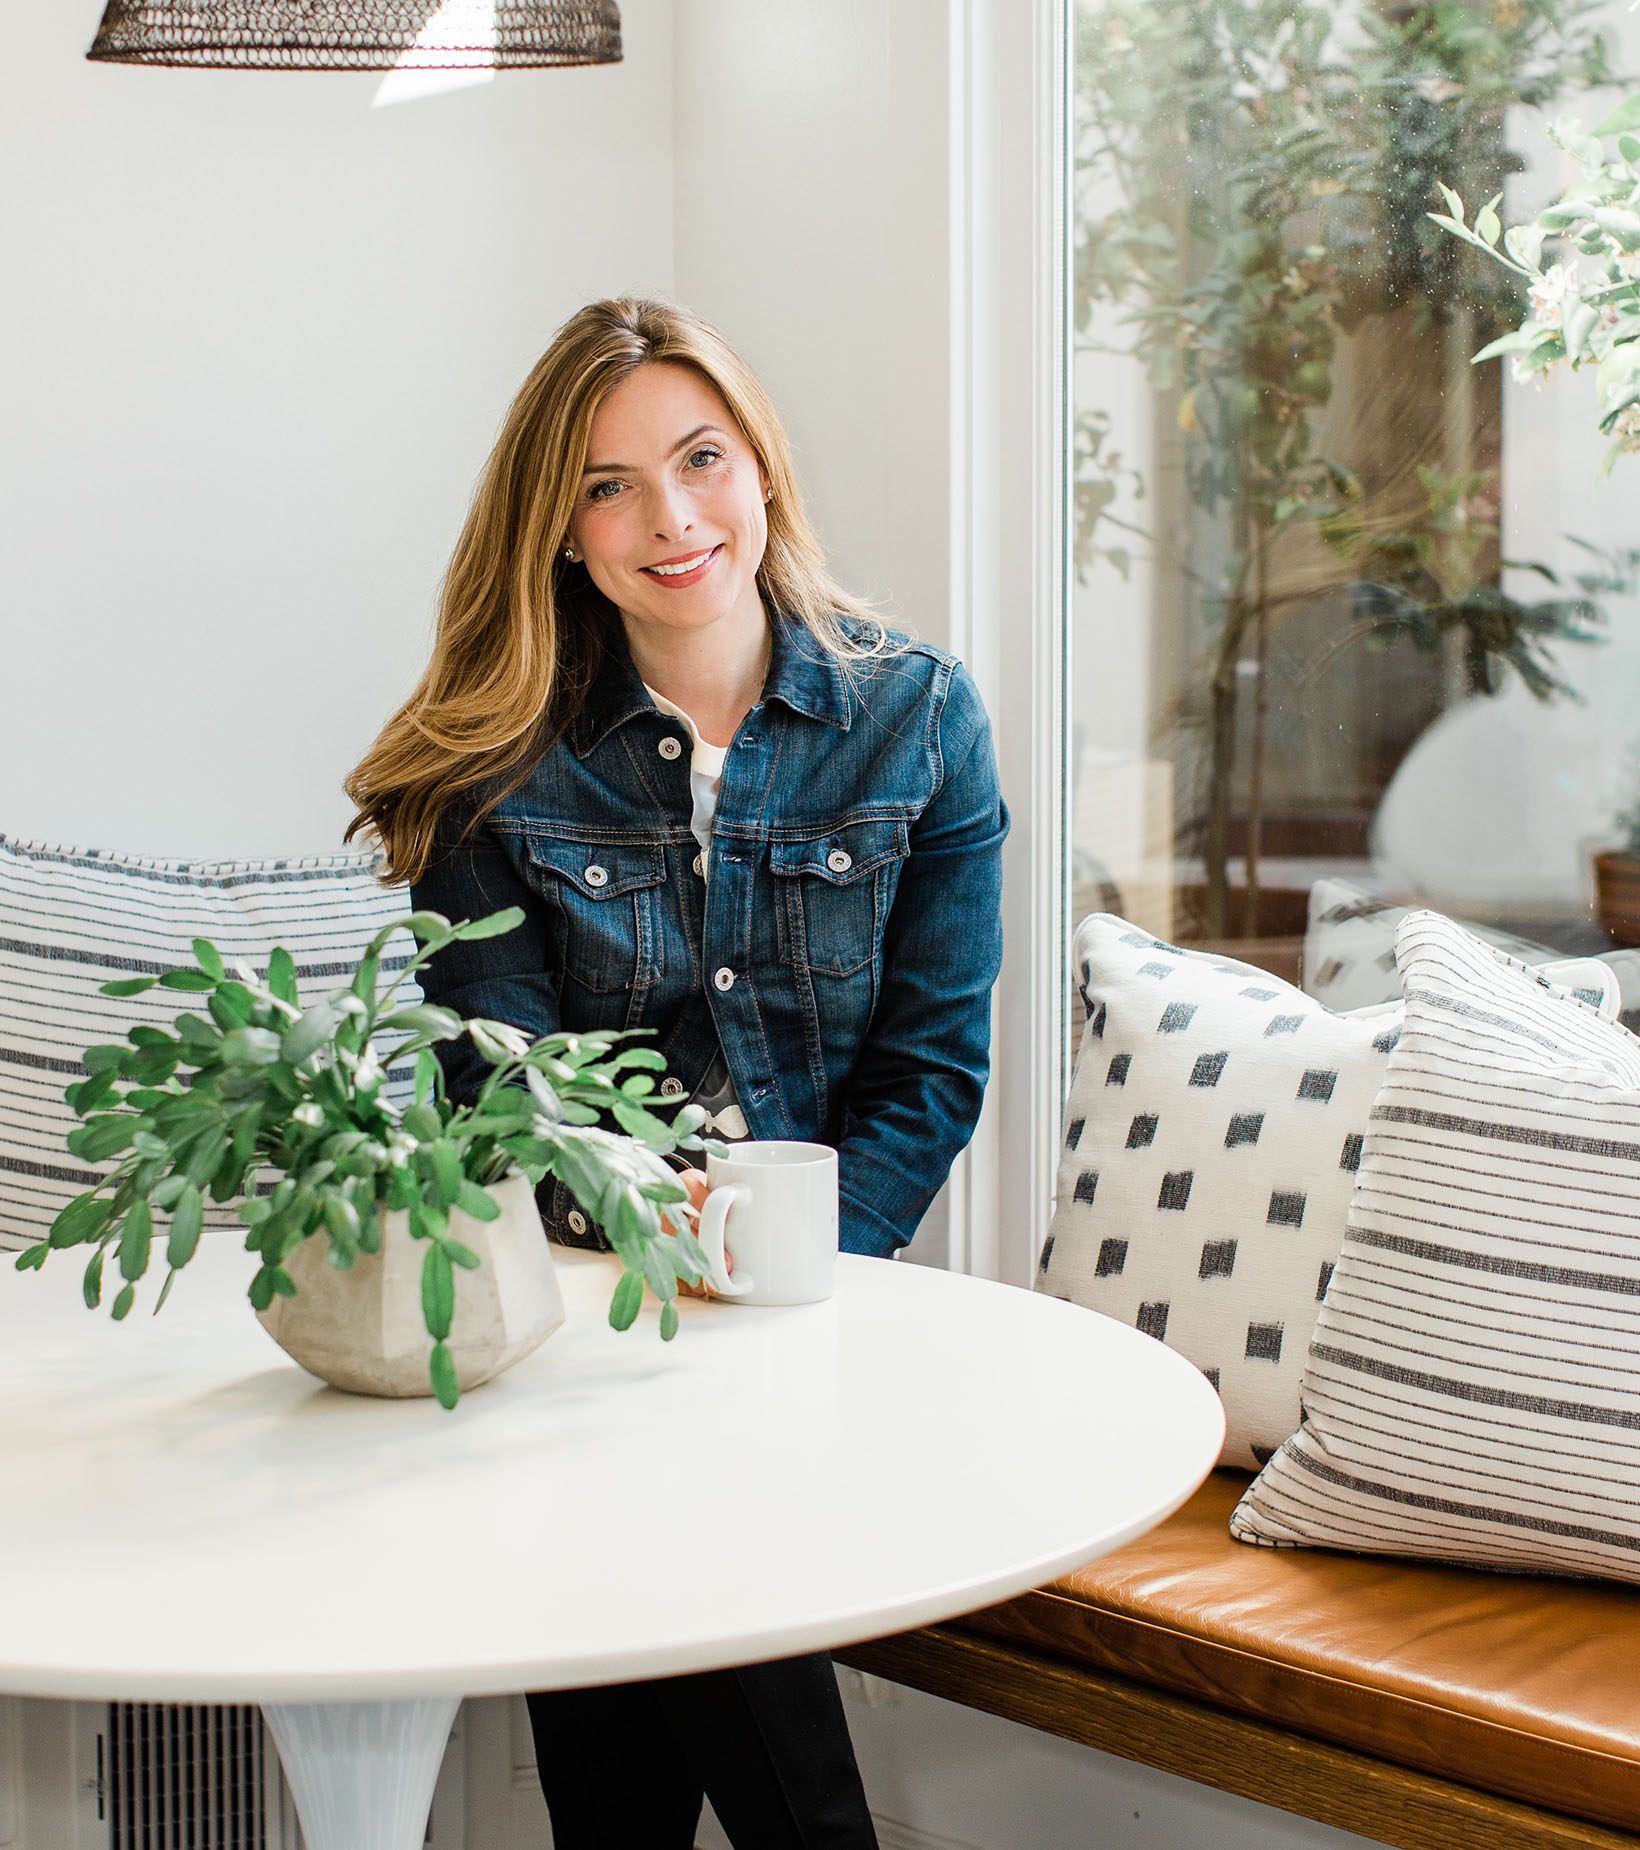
[521, 632]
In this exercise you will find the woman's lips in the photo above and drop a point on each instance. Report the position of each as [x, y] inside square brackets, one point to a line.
[673, 578]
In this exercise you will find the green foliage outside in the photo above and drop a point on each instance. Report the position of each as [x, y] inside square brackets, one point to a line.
[1254, 179]
[261, 1082]
[1584, 310]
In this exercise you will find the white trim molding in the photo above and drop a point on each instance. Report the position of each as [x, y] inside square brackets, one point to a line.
[1009, 488]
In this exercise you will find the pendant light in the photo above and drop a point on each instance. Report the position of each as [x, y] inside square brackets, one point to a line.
[358, 35]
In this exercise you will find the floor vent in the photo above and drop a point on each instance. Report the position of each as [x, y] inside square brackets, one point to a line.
[179, 1777]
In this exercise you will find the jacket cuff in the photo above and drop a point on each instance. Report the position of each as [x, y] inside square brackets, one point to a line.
[557, 1205]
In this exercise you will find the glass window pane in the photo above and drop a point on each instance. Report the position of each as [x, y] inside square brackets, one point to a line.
[1351, 614]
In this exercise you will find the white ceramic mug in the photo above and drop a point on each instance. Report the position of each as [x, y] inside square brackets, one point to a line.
[775, 1207]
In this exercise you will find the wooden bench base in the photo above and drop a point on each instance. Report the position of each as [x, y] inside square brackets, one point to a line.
[1332, 1785]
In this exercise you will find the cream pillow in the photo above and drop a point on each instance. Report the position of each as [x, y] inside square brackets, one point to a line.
[1211, 1139]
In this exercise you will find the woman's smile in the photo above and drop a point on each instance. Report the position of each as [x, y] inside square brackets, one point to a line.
[688, 569]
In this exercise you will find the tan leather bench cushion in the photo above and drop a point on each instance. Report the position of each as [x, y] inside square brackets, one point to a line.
[1518, 1684]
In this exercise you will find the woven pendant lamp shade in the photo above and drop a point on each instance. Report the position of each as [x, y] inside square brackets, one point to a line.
[355, 35]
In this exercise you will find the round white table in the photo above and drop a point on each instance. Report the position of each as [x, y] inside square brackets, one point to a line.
[197, 1520]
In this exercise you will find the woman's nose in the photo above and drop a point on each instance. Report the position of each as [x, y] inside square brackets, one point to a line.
[671, 512]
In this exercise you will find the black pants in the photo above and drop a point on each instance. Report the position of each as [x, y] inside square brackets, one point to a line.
[625, 1767]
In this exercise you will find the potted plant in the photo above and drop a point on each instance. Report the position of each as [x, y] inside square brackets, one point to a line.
[261, 1084]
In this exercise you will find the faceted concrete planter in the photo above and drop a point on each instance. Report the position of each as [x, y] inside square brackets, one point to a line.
[362, 1330]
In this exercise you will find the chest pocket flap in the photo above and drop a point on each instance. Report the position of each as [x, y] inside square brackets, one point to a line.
[599, 870]
[845, 855]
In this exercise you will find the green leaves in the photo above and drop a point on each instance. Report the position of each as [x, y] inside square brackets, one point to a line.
[439, 1024]
[305, 1036]
[83, 1220]
[473, 1200]
[251, 1047]
[623, 1306]
[209, 959]
[489, 1042]
[445, 1161]
[497, 925]
[1623, 119]
[271, 1282]
[103, 1136]
[282, 977]
[441, 1370]
[194, 980]
[135, 1241]
[129, 985]
[438, 1291]
[424, 1123]
[187, 1222]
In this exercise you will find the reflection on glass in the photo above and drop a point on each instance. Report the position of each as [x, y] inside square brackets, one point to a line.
[1349, 609]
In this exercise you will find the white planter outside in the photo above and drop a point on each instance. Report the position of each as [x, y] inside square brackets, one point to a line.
[362, 1330]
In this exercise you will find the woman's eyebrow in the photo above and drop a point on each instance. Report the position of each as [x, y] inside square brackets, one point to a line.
[683, 443]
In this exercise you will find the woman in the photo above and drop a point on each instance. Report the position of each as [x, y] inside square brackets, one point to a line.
[735, 811]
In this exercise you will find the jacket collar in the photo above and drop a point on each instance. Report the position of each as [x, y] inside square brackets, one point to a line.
[801, 674]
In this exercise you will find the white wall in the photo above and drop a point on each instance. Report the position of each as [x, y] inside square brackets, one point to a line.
[255, 342]
[810, 151]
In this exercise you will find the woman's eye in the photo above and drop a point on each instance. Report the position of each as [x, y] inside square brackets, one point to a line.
[703, 458]
[603, 491]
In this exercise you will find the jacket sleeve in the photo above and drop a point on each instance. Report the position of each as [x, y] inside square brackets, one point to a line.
[916, 1090]
[502, 979]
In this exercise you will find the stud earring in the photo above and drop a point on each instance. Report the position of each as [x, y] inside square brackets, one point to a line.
[569, 553]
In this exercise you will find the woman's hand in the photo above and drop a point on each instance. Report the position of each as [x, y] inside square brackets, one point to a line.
[695, 1181]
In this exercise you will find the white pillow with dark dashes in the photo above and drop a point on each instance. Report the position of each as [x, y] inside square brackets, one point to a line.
[72, 919]
[1211, 1139]
[1473, 1388]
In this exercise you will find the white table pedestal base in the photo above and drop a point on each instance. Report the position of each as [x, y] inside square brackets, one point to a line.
[363, 1773]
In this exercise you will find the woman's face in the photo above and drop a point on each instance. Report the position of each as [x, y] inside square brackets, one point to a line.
[669, 513]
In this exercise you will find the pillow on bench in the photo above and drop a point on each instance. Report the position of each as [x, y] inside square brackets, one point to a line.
[1473, 1388]
[1212, 1134]
[72, 919]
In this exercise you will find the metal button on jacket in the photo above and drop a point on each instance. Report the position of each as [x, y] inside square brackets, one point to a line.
[596, 875]
[700, 863]
[670, 1087]
[724, 978]
[577, 1221]
[838, 861]
[669, 747]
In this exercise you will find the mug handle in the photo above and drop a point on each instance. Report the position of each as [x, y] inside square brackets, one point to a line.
[713, 1214]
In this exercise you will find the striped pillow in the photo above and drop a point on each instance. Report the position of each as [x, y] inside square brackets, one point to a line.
[1473, 1387]
[72, 919]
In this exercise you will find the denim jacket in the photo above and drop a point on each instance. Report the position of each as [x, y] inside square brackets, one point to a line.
[842, 951]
